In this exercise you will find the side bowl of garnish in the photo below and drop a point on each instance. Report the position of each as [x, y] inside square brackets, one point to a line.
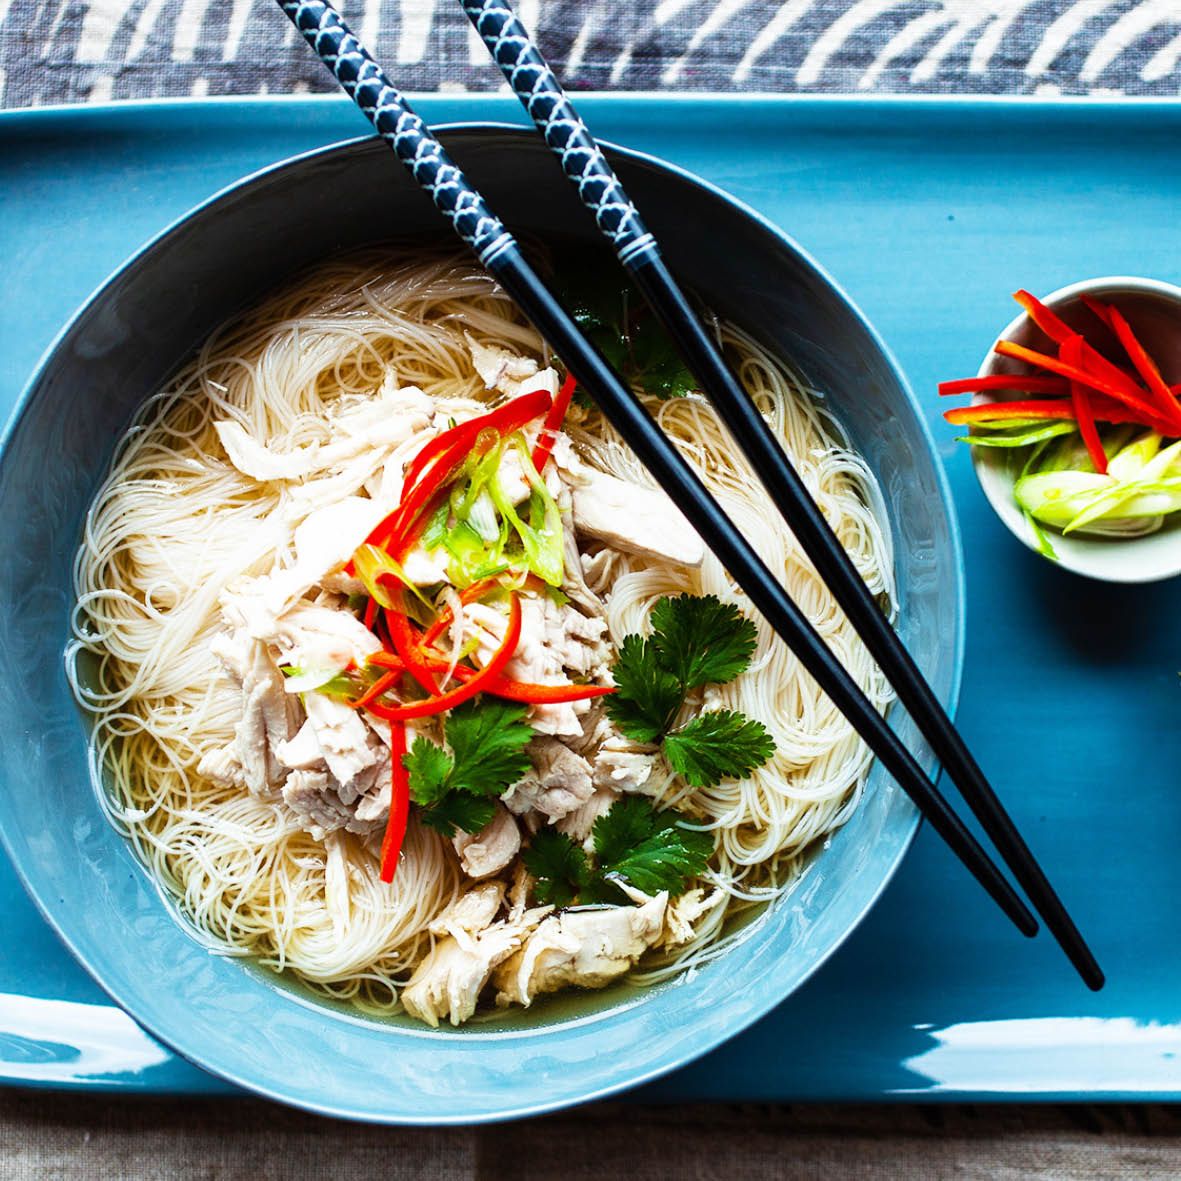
[1075, 425]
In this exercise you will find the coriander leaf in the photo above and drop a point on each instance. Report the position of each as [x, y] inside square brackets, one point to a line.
[458, 810]
[646, 696]
[624, 825]
[652, 850]
[667, 860]
[429, 768]
[654, 363]
[487, 739]
[558, 864]
[628, 334]
[701, 640]
[719, 745]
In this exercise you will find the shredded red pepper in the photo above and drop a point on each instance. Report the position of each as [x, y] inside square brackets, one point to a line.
[535, 694]
[382, 685]
[1022, 382]
[395, 829]
[503, 420]
[553, 423]
[1072, 353]
[467, 689]
[406, 645]
[1006, 348]
[1101, 310]
[370, 613]
[1145, 366]
[1089, 358]
[498, 686]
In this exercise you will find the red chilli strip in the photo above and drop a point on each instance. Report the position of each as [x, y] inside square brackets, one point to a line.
[476, 684]
[1146, 367]
[370, 613]
[998, 411]
[1020, 382]
[1105, 410]
[383, 683]
[499, 686]
[395, 829]
[535, 694]
[504, 420]
[406, 645]
[1060, 332]
[1045, 318]
[1100, 310]
[553, 423]
[1006, 348]
[530, 691]
[1072, 354]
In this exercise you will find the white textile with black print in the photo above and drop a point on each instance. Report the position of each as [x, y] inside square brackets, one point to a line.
[58, 51]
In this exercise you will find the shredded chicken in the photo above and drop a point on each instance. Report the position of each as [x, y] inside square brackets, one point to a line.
[585, 948]
[470, 913]
[574, 583]
[268, 714]
[371, 425]
[559, 782]
[327, 538]
[618, 763]
[580, 823]
[310, 796]
[684, 912]
[222, 766]
[558, 643]
[498, 368]
[627, 516]
[490, 850]
[623, 765]
[447, 984]
[342, 736]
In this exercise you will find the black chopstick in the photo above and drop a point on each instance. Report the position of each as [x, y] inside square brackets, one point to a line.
[363, 80]
[530, 76]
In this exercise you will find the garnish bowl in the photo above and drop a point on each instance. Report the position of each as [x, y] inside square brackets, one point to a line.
[1153, 309]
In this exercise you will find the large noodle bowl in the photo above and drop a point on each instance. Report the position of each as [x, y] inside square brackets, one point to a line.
[187, 522]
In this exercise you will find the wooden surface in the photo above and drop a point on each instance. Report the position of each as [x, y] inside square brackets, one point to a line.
[46, 1136]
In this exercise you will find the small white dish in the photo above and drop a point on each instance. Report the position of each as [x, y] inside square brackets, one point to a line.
[1153, 308]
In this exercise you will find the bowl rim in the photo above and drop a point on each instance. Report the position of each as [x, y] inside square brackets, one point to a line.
[771, 996]
[986, 466]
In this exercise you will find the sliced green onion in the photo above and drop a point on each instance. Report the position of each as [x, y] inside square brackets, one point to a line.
[370, 563]
[326, 680]
[1021, 438]
[1040, 537]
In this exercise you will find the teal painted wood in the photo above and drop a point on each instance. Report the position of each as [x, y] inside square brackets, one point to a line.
[928, 213]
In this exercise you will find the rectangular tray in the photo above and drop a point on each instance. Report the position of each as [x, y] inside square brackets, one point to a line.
[929, 213]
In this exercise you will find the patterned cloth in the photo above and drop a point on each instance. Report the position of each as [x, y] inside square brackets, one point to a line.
[59, 51]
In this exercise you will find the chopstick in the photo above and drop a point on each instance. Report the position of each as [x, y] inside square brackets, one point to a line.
[535, 84]
[497, 251]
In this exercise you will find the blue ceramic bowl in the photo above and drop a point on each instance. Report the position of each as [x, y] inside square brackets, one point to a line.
[239, 1022]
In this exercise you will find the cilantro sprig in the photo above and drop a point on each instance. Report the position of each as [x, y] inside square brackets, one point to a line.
[458, 788]
[630, 337]
[651, 850]
[695, 641]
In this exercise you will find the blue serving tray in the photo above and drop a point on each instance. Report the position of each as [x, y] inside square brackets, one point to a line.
[929, 212]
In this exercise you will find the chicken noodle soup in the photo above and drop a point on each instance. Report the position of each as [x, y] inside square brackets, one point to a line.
[406, 679]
